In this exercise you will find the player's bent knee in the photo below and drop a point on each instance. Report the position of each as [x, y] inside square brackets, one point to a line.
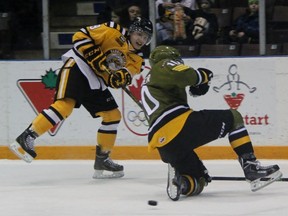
[238, 119]
[192, 186]
[64, 106]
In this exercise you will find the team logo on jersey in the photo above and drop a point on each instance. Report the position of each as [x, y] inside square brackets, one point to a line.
[115, 59]
[133, 116]
[234, 84]
[40, 94]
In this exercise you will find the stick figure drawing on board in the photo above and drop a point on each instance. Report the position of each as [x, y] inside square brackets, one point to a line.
[233, 80]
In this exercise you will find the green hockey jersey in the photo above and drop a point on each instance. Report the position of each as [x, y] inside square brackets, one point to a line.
[164, 99]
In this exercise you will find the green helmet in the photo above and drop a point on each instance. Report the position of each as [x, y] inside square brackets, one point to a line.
[163, 52]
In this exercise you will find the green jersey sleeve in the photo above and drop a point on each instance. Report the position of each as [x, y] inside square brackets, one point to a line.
[173, 73]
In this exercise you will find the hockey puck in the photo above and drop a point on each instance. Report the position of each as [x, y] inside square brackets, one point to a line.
[152, 202]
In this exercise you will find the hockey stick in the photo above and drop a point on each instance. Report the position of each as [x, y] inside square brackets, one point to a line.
[131, 95]
[136, 101]
[230, 178]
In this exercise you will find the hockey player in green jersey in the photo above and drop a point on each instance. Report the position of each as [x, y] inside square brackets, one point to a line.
[175, 130]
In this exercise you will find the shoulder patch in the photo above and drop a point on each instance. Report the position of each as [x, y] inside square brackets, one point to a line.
[180, 67]
[121, 40]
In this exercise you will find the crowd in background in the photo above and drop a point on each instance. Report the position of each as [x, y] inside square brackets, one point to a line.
[188, 22]
[201, 24]
[178, 22]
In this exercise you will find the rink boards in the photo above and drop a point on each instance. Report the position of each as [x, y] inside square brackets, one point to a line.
[257, 87]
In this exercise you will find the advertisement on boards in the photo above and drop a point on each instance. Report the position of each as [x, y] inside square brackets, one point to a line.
[248, 85]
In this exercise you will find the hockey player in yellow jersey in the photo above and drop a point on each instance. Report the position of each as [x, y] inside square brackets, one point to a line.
[176, 130]
[102, 56]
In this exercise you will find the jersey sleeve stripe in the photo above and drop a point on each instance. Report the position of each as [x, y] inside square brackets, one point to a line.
[84, 31]
[114, 25]
[199, 77]
[80, 43]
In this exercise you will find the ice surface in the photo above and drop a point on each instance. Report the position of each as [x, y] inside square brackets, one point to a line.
[60, 188]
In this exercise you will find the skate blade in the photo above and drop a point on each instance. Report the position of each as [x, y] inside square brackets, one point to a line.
[259, 184]
[172, 189]
[15, 147]
[103, 174]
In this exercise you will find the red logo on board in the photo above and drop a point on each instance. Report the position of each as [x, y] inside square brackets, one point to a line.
[40, 94]
[233, 84]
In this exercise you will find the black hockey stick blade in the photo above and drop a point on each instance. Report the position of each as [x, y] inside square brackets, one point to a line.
[231, 178]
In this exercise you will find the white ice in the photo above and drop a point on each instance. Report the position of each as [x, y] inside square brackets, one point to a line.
[60, 188]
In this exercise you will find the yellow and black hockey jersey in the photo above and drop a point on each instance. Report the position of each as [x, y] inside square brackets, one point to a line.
[112, 39]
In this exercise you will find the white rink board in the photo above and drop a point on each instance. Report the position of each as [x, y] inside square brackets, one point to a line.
[262, 85]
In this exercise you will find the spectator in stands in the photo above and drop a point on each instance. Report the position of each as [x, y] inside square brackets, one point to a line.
[204, 26]
[192, 4]
[126, 12]
[164, 26]
[118, 15]
[246, 27]
[134, 11]
[172, 22]
[204, 29]
[170, 4]
[143, 4]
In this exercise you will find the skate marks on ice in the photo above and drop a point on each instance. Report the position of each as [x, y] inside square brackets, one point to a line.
[57, 187]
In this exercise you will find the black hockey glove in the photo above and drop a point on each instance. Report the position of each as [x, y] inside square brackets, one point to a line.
[119, 78]
[204, 76]
[95, 58]
[199, 90]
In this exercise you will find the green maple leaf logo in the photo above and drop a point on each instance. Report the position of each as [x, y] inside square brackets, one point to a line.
[50, 79]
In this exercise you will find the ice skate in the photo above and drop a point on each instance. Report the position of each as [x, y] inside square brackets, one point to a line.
[174, 184]
[181, 184]
[105, 167]
[258, 175]
[23, 147]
